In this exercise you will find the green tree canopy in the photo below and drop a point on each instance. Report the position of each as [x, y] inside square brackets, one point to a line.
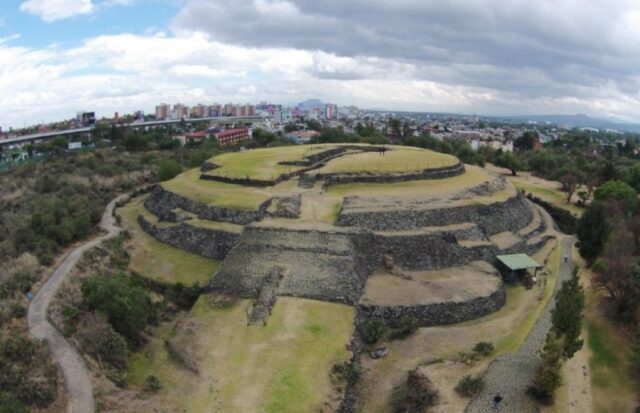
[168, 169]
[618, 191]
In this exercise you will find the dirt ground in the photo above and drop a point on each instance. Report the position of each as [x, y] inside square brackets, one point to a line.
[428, 287]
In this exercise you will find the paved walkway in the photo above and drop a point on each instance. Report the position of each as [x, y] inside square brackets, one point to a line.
[511, 374]
[76, 376]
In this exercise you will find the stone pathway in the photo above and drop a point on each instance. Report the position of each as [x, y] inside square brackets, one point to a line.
[511, 374]
[77, 379]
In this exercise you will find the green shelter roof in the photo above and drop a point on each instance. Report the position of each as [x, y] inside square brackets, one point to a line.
[518, 261]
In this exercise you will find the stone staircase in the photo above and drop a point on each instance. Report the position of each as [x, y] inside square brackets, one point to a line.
[306, 181]
[267, 297]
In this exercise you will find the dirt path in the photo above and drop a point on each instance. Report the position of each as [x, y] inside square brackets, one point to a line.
[511, 374]
[76, 376]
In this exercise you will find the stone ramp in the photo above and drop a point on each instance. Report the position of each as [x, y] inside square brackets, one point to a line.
[318, 265]
[505, 376]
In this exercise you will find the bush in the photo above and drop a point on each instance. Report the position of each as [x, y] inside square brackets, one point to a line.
[483, 348]
[470, 386]
[98, 339]
[406, 327]
[17, 310]
[168, 169]
[345, 372]
[153, 384]
[18, 349]
[416, 396]
[124, 303]
[10, 405]
[372, 330]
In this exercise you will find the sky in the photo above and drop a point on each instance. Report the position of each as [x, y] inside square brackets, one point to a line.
[491, 57]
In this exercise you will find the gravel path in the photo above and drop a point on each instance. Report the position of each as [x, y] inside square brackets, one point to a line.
[511, 374]
[76, 376]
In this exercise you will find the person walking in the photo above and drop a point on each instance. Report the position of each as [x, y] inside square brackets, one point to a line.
[497, 400]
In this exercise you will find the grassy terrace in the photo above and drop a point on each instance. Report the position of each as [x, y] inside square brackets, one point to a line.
[263, 163]
[161, 262]
[190, 185]
[281, 367]
[399, 159]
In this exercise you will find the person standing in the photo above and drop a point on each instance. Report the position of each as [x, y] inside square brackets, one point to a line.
[497, 400]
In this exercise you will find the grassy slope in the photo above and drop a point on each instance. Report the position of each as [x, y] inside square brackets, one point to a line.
[263, 163]
[190, 185]
[283, 367]
[473, 177]
[161, 262]
[400, 159]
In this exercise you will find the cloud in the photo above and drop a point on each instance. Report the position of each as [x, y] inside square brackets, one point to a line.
[52, 10]
[540, 50]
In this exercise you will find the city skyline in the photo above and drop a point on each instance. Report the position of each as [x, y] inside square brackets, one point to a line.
[490, 58]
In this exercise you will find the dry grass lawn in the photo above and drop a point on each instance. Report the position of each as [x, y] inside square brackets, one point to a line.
[189, 184]
[546, 190]
[263, 163]
[398, 159]
[281, 367]
[161, 262]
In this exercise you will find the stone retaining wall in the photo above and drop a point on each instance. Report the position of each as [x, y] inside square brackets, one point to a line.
[385, 178]
[437, 314]
[207, 242]
[510, 215]
[162, 202]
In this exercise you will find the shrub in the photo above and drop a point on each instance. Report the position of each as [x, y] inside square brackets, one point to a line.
[100, 340]
[19, 349]
[17, 310]
[168, 169]
[124, 303]
[470, 386]
[153, 384]
[10, 405]
[416, 395]
[372, 330]
[345, 372]
[483, 348]
[406, 327]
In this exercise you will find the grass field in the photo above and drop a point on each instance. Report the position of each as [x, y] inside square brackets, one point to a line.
[436, 187]
[161, 262]
[189, 184]
[281, 367]
[263, 163]
[399, 159]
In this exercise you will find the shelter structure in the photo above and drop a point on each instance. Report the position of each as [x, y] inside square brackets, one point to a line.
[517, 265]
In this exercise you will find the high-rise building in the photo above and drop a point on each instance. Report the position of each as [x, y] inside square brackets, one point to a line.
[163, 111]
[199, 111]
[330, 111]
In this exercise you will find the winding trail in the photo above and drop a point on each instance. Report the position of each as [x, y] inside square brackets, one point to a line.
[76, 376]
[511, 374]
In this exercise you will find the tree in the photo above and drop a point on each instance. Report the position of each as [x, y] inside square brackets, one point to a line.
[526, 141]
[618, 191]
[613, 270]
[124, 303]
[509, 161]
[547, 377]
[592, 231]
[566, 317]
[569, 183]
[169, 169]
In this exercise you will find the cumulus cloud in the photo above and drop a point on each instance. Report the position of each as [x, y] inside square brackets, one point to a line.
[540, 49]
[52, 10]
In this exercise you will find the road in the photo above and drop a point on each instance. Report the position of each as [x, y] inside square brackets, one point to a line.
[511, 374]
[76, 376]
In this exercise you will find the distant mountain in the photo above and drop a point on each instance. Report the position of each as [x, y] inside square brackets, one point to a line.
[311, 104]
[580, 121]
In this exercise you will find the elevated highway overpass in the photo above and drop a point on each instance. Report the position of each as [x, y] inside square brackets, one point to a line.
[37, 137]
